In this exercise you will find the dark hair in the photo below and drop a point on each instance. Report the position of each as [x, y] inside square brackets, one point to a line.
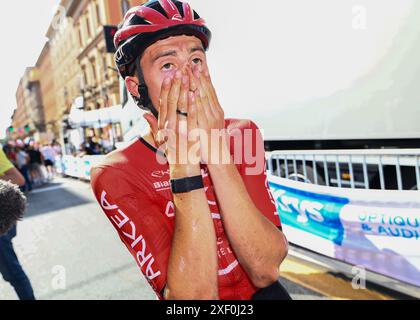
[12, 206]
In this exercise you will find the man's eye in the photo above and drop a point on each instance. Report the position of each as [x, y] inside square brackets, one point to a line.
[167, 66]
[197, 60]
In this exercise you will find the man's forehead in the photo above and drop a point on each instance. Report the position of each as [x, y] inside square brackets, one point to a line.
[174, 43]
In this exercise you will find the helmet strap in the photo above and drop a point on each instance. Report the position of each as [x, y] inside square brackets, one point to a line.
[144, 101]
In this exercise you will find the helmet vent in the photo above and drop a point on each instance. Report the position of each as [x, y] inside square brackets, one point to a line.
[137, 20]
[158, 7]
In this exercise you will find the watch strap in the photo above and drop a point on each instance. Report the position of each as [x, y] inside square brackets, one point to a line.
[188, 184]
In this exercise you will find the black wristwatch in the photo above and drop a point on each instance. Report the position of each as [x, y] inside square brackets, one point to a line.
[187, 184]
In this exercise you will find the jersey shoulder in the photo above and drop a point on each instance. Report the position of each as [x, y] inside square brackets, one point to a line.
[119, 158]
[121, 170]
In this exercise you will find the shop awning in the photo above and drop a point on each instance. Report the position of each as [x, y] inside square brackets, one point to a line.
[95, 118]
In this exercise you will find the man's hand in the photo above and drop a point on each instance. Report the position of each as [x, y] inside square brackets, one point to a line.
[176, 134]
[211, 118]
[191, 92]
[193, 264]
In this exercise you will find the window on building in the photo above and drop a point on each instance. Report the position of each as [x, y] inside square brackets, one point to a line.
[93, 63]
[89, 33]
[85, 78]
[103, 55]
[125, 6]
[79, 28]
[98, 14]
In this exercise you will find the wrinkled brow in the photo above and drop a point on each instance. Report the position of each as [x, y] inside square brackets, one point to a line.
[174, 53]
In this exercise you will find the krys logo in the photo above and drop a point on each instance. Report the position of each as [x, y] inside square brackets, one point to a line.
[314, 213]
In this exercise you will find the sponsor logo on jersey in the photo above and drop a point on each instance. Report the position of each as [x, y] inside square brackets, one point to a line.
[162, 185]
[170, 210]
[133, 237]
[160, 174]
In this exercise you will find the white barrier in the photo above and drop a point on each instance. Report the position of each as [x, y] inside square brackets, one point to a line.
[77, 167]
[379, 230]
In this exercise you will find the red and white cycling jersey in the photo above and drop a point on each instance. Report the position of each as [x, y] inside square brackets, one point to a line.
[133, 189]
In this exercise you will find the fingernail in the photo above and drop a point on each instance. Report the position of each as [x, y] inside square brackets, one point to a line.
[167, 81]
[178, 74]
[207, 73]
[191, 95]
[185, 80]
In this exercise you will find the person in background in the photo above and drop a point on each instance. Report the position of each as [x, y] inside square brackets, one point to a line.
[36, 160]
[10, 267]
[49, 155]
[58, 156]
[92, 148]
[22, 162]
[57, 148]
[10, 152]
[82, 152]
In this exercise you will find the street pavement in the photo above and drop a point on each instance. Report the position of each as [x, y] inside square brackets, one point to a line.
[70, 250]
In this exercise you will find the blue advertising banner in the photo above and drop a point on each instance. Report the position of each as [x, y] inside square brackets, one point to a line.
[374, 229]
[315, 213]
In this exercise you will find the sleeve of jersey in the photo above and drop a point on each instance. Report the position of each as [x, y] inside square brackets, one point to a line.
[138, 220]
[254, 174]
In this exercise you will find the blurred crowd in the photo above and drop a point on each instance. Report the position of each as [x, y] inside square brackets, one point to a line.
[35, 161]
[94, 147]
[91, 146]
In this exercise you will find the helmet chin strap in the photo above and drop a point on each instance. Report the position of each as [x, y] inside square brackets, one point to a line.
[143, 101]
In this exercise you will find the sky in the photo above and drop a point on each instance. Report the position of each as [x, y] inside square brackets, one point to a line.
[29, 20]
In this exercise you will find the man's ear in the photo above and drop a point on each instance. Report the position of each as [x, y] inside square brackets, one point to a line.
[132, 84]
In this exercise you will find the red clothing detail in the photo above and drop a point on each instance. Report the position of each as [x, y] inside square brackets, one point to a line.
[133, 189]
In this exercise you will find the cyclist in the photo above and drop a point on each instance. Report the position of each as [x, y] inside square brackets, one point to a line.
[198, 229]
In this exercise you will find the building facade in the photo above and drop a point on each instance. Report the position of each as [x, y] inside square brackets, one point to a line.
[51, 116]
[100, 80]
[34, 103]
[65, 71]
[20, 116]
[74, 69]
[28, 118]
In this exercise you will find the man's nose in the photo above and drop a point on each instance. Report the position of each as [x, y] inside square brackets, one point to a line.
[185, 66]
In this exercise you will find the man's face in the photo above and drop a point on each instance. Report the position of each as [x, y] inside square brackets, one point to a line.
[163, 59]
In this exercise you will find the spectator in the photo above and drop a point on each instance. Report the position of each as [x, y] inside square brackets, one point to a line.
[57, 148]
[49, 155]
[58, 156]
[22, 161]
[92, 148]
[11, 200]
[82, 152]
[10, 152]
[36, 160]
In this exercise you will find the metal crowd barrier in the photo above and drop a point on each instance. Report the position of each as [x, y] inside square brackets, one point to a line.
[337, 167]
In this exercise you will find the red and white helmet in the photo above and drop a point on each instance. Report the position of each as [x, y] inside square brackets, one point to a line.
[144, 25]
[153, 21]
